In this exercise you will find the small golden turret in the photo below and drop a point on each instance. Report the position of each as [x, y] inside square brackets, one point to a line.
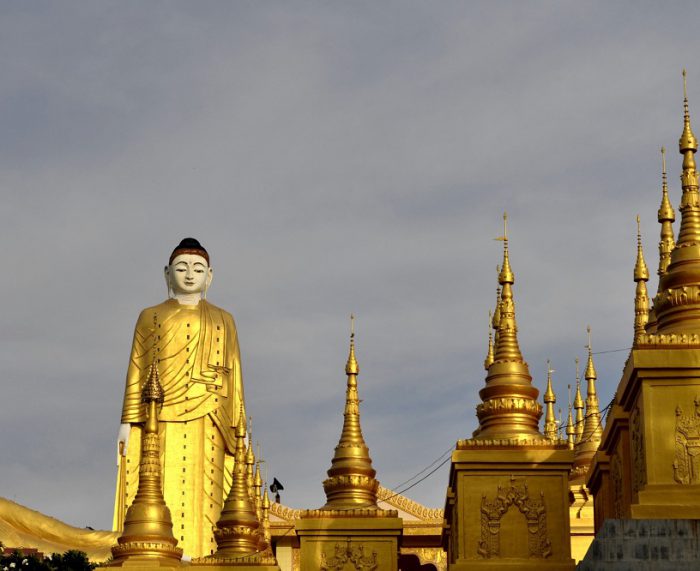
[351, 479]
[489, 353]
[641, 296]
[509, 407]
[676, 305]
[592, 426]
[257, 490]
[265, 505]
[570, 428]
[578, 406]
[148, 527]
[237, 532]
[666, 217]
[559, 425]
[550, 420]
[250, 461]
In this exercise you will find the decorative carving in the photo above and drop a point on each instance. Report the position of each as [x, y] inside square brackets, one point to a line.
[686, 465]
[616, 480]
[535, 513]
[690, 340]
[639, 472]
[428, 555]
[502, 404]
[347, 553]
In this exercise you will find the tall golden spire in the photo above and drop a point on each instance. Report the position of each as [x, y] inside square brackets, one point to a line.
[666, 217]
[489, 353]
[148, 527]
[237, 532]
[593, 426]
[641, 297]
[509, 407]
[550, 420]
[677, 304]
[578, 406]
[351, 479]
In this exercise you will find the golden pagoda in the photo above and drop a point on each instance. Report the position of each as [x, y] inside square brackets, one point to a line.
[350, 529]
[242, 534]
[507, 504]
[147, 537]
[646, 467]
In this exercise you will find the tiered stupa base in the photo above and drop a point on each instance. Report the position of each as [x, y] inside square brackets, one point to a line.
[339, 539]
[507, 506]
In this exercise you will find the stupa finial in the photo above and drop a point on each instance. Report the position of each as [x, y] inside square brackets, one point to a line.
[550, 420]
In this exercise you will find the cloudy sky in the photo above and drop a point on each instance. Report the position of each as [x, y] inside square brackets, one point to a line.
[333, 157]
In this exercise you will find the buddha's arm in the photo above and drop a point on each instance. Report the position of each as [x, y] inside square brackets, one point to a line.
[236, 389]
[132, 411]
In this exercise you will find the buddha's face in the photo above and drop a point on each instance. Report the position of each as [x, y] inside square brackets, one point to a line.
[188, 274]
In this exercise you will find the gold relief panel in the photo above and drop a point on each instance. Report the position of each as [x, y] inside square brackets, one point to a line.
[512, 497]
[686, 463]
[455, 537]
[639, 464]
[616, 485]
[348, 555]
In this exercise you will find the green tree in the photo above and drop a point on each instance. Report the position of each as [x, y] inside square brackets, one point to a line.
[71, 560]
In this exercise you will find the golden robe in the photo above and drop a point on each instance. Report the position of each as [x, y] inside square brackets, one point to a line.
[200, 370]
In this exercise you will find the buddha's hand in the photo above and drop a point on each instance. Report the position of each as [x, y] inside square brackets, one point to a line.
[123, 440]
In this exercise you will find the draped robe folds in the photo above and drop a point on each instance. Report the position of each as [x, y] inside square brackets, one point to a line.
[196, 348]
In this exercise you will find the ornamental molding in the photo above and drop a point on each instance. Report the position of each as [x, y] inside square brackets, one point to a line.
[428, 555]
[409, 506]
[512, 405]
[684, 340]
[419, 511]
[535, 442]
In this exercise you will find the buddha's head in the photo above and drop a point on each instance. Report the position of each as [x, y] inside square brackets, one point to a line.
[188, 270]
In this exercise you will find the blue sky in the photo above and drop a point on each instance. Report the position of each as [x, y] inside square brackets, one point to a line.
[333, 158]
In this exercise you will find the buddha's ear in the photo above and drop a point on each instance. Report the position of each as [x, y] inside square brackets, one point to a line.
[210, 276]
[166, 275]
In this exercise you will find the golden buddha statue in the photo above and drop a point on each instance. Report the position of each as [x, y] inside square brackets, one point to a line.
[196, 347]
